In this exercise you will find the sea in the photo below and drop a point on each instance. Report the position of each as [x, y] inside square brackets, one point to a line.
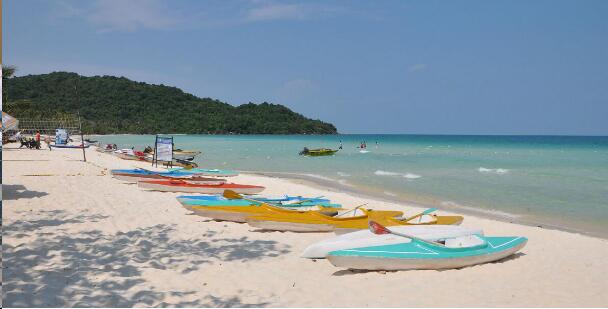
[551, 181]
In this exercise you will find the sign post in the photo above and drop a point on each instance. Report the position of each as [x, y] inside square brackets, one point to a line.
[163, 150]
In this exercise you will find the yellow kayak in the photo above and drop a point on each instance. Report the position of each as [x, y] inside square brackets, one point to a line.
[241, 213]
[321, 222]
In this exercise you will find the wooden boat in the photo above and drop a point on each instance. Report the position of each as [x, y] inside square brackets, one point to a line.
[416, 253]
[241, 213]
[185, 186]
[315, 222]
[207, 172]
[365, 238]
[129, 177]
[217, 201]
[318, 152]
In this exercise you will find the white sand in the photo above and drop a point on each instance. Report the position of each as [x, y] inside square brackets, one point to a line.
[82, 238]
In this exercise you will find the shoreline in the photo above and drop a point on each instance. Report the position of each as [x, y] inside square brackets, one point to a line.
[104, 243]
[325, 183]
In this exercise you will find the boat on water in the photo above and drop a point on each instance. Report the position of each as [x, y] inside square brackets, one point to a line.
[365, 238]
[318, 152]
[350, 221]
[207, 172]
[417, 253]
[179, 185]
[69, 146]
[134, 178]
[288, 202]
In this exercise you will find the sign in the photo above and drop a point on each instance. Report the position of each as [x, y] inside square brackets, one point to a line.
[164, 149]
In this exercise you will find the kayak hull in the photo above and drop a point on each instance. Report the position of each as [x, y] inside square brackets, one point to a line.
[370, 258]
[167, 186]
[197, 180]
[319, 222]
[365, 238]
[290, 226]
[207, 172]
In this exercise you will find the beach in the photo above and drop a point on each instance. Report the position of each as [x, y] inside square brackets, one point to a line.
[74, 236]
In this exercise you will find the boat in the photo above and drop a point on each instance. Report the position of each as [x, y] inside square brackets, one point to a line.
[365, 238]
[289, 202]
[357, 219]
[207, 172]
[318, 152]
[129, 177]
[241, 213]
[142, 171]
[69, 146]
[185, 186]
[416, 253]
[130, 154]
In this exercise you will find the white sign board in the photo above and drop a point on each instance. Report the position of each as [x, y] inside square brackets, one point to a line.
[164, 149]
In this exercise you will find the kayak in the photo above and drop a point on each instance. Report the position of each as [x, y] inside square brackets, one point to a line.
[318, 152]
[69, 146]
[128, 177]
[207, 172]
[264, 199]
[365, 238]
[141, 171]
[214, 200]
[184, 186]
[357, 220]
[456, 252]
[241, 213]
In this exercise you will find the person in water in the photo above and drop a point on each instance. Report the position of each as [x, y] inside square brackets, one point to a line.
[340, 145]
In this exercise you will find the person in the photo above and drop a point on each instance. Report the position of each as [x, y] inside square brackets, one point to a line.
[37, 139]
[340, 145]
[47, 140]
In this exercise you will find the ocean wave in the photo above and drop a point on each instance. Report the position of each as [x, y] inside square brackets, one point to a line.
[406, 175]
[480, 210]
[342, 174]
[389, 193]
[493, 170]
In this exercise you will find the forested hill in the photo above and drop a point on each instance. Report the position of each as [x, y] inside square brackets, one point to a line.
[110, 104]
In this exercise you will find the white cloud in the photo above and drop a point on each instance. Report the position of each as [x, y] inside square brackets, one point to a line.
[123, 16]
[418, 67]
[277, 11]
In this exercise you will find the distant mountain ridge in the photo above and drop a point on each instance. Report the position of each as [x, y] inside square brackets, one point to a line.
[110, 105]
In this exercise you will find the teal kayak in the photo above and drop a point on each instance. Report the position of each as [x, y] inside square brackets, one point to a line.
[418, 254]
[206, 172]
[287, 201]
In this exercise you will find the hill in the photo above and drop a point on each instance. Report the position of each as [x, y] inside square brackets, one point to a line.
[118, 105]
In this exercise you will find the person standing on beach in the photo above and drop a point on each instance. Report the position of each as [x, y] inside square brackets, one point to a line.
[37, 139]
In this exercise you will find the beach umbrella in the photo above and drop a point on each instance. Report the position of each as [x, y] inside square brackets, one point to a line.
[9, 122]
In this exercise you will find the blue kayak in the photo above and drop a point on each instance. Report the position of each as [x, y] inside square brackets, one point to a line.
[419, 254]
[207, 172]
[139, 171]
[287, 201]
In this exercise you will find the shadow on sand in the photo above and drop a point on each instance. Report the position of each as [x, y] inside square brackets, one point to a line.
[96, 269]
[15, 192]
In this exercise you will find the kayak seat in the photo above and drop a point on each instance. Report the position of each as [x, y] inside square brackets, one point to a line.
[329, 213]
[464, 241]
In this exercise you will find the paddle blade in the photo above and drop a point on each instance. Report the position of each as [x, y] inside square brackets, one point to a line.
[229, 194]
[377, 228]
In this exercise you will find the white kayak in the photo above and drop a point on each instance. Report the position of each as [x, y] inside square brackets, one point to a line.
[365, 238]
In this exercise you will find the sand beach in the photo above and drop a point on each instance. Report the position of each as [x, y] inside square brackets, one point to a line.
[75, 237]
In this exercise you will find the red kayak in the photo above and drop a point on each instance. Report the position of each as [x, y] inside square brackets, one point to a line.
[185, 186]
[129, 177]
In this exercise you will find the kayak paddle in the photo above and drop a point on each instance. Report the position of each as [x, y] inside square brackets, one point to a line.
[379, 229]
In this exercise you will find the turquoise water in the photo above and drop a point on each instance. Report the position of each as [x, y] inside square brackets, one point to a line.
[552, 180]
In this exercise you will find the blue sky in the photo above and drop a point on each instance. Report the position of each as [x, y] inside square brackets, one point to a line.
[434, 67]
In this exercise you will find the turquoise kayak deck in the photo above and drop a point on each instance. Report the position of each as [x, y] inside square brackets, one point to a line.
[416, 249]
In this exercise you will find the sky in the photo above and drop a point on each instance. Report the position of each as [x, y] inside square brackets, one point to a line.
[417, 67]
